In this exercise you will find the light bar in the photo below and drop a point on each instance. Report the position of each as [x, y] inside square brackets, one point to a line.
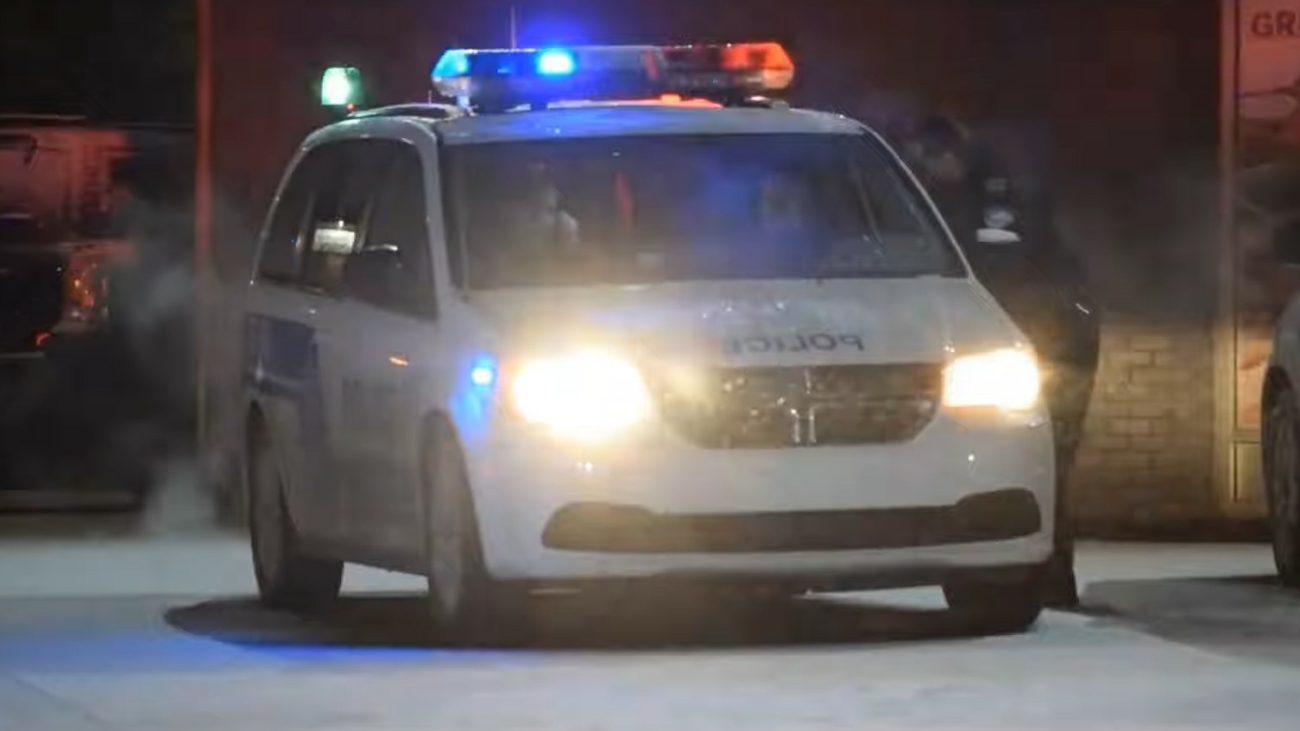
[499, 79]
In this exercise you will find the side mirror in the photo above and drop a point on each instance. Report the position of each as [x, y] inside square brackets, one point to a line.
[997, 236]
[375, 275]
[1286, 242]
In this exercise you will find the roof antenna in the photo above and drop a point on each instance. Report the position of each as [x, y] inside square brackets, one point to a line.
[514, 27]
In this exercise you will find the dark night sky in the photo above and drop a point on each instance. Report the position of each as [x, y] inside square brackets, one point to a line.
[132, 60]
[120, 60]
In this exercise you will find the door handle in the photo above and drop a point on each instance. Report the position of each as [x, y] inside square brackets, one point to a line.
[398, 360]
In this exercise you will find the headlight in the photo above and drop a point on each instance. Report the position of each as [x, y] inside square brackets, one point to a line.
[1005, 379]
[585, 396]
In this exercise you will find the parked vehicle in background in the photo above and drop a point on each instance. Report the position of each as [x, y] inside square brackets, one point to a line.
[73, 199]
[1280, 425]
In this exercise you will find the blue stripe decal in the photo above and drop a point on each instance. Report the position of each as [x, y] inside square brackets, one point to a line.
[282, 361]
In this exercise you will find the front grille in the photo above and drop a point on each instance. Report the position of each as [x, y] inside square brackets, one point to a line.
[755, 408]
[31, 298]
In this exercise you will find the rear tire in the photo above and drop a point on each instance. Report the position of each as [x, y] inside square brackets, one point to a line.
[287, 578]
[1282, 479]
[995, 605]
[466, 605]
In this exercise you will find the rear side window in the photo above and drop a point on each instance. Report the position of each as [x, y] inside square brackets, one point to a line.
[282, 249]
[340, 210]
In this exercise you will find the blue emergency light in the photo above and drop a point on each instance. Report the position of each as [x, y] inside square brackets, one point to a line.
[495, 80]
[555, 62]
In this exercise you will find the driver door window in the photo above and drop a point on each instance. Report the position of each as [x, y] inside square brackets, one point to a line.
[340, 212]
[398, 224]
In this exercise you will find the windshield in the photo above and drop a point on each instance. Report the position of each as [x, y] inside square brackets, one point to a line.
[641, 210]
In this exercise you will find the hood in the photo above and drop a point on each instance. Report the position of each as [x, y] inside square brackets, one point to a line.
[756, 323]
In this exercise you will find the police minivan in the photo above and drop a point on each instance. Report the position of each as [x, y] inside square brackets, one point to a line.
[616, 316]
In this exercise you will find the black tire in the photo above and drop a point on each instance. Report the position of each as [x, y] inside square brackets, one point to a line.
[1281, 452]
[998, 605]
[287, 578]
[466, 606]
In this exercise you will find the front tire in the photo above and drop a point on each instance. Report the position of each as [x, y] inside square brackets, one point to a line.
[287, 578]
[465, 604]
[1281, 449]
[998, 605]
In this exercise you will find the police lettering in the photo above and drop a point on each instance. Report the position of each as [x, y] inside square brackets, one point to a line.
[822, 342]
[1275, 24]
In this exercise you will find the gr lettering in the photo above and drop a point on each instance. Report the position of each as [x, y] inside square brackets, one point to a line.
[1275, 24]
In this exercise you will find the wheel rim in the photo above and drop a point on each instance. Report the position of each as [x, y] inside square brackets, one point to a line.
[1284, 487]
[446, 542]
[267, 521]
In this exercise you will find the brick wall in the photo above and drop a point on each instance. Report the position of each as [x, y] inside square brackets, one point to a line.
[1151, 249]
[1148, 454]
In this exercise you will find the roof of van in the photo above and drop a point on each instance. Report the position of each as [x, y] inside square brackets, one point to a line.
[615, 120]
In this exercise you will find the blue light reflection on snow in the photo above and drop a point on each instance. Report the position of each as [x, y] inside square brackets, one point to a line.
[151, 651]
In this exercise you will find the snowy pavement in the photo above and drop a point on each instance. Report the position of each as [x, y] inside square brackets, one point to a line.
[121, 632]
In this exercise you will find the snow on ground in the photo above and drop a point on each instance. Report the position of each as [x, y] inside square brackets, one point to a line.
[117, 632]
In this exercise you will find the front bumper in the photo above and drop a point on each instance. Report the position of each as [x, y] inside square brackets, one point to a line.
[611, 528]
[957, 497]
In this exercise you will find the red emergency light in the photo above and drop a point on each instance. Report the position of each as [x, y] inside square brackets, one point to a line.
[752, 67]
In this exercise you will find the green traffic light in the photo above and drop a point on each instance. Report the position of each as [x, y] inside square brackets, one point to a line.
[341, 87]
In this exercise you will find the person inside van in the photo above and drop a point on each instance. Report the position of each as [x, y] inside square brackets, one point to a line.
[550, 226]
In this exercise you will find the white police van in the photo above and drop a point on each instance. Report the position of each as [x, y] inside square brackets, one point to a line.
[676, 331]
